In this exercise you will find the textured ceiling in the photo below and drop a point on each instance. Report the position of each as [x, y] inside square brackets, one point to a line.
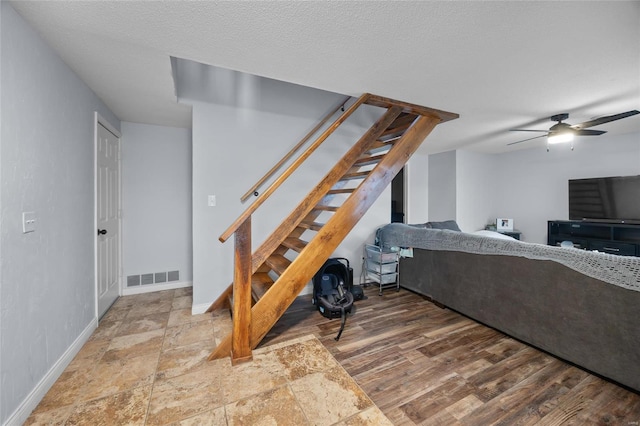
[500, 65]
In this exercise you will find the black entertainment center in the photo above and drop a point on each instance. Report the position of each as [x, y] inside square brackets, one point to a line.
[613, 238]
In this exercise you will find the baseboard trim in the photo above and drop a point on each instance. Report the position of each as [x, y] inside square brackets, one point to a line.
[20, 415]
[200, 309]
[148, 288]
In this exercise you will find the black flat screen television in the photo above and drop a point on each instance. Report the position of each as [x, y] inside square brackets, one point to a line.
[608, 199]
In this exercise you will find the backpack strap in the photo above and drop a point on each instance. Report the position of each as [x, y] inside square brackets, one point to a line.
[343, 321]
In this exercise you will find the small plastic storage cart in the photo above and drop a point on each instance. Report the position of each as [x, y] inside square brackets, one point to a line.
[382, 267]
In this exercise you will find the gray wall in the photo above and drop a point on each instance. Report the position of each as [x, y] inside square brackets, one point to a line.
[442, 186]
[530, 186]
[534, 183]
[476, 190]
[417, 188]
[238, 135]
[47, 278]
[156, 200]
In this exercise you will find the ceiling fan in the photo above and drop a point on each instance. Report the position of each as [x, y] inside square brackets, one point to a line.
[564, 132]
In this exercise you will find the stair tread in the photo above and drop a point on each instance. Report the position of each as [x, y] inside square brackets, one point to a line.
[403, 121]
[398, 127]
[260, 283]
[316, 226]
[294, 243]
[341, 191]
[326, 208]
[357, 175]
[377, 145]
[370, 159]
[381, 146]
[278, 263]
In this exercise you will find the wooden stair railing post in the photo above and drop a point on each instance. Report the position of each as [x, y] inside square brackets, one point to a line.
[241, 332]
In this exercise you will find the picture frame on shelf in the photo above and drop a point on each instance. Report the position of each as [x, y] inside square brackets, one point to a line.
[504, 224]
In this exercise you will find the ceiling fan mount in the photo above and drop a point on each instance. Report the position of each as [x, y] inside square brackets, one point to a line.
[581, 129]
[559, 117]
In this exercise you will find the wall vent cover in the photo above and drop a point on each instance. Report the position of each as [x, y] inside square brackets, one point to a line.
[147, 279]
[173, 275]
[157, 278]
[133, 280]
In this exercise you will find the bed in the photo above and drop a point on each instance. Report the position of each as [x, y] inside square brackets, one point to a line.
[577, 305]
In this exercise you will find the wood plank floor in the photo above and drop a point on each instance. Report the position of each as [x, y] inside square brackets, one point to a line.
[425, 365]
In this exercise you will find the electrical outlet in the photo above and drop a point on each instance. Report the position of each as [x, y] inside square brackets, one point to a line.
[211, 200]
[28, 222]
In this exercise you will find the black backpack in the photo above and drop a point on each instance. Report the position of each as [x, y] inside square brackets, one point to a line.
[330, 295]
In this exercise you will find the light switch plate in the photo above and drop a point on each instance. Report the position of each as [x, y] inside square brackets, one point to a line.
[211, 200]
[28, 222]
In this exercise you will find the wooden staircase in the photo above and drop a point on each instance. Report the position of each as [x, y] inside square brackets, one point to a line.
[266, 281]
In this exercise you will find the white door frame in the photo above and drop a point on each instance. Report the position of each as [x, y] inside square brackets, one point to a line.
[405, 192]
[99, 120]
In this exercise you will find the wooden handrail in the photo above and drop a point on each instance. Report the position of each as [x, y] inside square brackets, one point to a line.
[289, 154]
[292, 168]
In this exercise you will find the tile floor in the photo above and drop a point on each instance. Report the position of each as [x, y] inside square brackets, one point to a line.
[146, 365]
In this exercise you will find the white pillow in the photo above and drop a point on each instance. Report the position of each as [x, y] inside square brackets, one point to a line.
[493, 234]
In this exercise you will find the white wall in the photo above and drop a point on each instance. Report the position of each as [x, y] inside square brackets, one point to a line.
[534, 183]
[236, 139]
[530, 186]
[156, 200]
[442, 186]
[476, 190]
[227, 159]
[47, 278]
[417, 188]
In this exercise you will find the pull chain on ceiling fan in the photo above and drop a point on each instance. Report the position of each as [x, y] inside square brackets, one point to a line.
[564, 132]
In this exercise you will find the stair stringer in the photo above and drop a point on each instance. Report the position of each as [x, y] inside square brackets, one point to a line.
[307, 205]
[305, 208]
[267, 311]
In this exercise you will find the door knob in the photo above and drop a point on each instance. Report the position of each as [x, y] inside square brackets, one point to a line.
[102, 231]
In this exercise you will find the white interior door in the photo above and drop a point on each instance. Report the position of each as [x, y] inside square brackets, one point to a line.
[108, 218]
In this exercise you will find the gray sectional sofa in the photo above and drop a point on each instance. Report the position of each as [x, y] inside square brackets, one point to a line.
[580, 306]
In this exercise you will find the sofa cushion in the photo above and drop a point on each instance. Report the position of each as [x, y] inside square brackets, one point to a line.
[446, 224]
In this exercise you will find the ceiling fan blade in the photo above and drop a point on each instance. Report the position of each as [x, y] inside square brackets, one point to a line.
[607, 119]
[527, 130]
[524, 140]
[585, 132]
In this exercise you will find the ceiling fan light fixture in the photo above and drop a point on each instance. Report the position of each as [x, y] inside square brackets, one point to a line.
[563, 137]
[563, 132]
